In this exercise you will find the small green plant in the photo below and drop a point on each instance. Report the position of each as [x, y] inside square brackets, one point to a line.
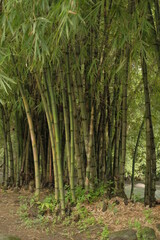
[112, 207]
[47, 231]
[137, 198]
[130, 224]
[22, 211]
[82, 211]
[117, 222]
[85, 218]
[47, 205]
[105, 233]
[21, 197]
[90, 221]
[110, 187]
[83, 225]
[91, 196]
[137, 224]
[32, 211]
[28, 222]
[100, 221]
[138, 227]
[68, 195]
[80, 194]
[67, 221]
[115, 210]
[147, 214]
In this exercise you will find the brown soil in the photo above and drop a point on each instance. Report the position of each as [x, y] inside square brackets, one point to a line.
[12, 225]
[116, 217]
[121, 216]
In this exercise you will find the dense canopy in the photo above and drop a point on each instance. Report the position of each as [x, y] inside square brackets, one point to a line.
[79, 84]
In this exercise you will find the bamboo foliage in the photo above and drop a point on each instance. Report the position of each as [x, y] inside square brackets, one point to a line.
[74, 64]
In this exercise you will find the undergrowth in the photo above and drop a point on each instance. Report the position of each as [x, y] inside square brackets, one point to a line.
[42, 213]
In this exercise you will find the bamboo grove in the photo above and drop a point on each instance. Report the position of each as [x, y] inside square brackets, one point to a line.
[67, 72]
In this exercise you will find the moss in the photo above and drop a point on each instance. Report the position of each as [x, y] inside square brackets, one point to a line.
[148, 234]
[127, 234]
[3, 237]
[158, 226]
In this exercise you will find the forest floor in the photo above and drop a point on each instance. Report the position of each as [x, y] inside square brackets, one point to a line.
[116, 216]
[11, 223]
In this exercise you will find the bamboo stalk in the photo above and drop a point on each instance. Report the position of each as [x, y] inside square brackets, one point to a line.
[33, 141]
[71, 128]
[58, 145]
[48, 116]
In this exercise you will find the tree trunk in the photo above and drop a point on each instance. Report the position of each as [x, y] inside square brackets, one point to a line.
[27, 160]
[89, 155]
[10, 149]
[124, 125]
[150, 175]
[134, 158]
[5, 165]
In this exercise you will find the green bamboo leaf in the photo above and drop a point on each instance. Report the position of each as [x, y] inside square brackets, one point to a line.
[67, 31]
[1, 101]
[3, 35]
[10, 27]
[44, 19]
[6, 79]
[81, 19]
[35, 46]
[3, 85]
[34, 28]
[121, 65]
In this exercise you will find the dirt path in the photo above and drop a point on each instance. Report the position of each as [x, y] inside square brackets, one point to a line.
[117, 217]
[11, 224]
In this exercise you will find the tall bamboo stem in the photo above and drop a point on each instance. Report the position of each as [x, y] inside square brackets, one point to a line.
[33, 141]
